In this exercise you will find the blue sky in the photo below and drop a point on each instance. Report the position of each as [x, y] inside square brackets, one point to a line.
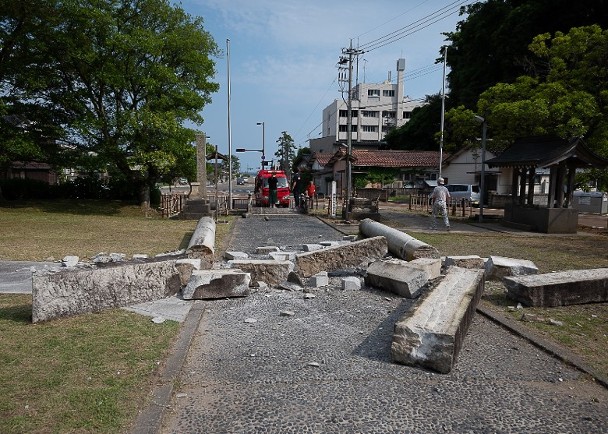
[284, 54]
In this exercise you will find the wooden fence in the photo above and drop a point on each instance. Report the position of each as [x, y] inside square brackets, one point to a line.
[171, 204]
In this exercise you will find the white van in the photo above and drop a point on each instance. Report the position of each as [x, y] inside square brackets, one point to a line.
[464, 191]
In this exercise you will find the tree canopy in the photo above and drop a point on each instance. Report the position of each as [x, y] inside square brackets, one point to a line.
[111, 79]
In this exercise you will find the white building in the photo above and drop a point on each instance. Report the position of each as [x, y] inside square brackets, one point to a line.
[376, 109]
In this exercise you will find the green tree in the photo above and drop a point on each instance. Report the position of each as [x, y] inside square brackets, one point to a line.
[420, 132]
[120, 78]
[491, 44]
[286, 151]
[569, 99]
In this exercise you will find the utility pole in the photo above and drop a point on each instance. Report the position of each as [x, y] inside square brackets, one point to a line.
[347, 58]
[445, 58]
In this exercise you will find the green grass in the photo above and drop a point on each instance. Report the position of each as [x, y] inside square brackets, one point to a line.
[89, 373]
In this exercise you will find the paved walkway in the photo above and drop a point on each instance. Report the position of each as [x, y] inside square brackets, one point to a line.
[326, 369]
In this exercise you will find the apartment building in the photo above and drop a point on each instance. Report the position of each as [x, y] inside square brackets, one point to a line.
[376, 109]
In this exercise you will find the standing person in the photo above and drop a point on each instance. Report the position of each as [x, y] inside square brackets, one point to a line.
[296, 188]
[272, 191]
[311, 190]
[440, 197]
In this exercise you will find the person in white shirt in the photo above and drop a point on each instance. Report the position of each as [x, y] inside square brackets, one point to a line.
[439, 198]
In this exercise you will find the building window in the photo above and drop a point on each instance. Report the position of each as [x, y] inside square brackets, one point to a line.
[369, 128]
[342, 128]
[387, 92]
[353, 113]
[407, 115]
[370, 113]
[388, 114]
[373, 92]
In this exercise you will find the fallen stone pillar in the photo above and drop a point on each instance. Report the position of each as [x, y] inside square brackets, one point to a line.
[73, 292]
[269, 271]
[202, 242]
[498, 267]
[559, 289]
[343, 256]
[213, 284]
[400, 244]
[431, 336]
[395, 276]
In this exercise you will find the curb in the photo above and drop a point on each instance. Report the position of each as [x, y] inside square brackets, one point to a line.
[535, 339]
[150, 418]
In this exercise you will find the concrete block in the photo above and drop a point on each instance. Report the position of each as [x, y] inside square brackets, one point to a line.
[267, 270]
[351, 283]
[343, 256]
[311, 247]
[432, 334]
[264, 250]
[72, 292]
[185, 267]
[395, 276]
[229, 256]
[431, 266]
[498, 267]
[212, 284]
[319, 280]
[559, 289]
[283, 256]
[468, 261]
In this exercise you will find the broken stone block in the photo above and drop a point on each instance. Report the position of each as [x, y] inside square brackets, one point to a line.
[559, 289]
[283, 256]
[311, 247]
[351, 283]
[72, 292]
[185, 267]
[468, 261]
[432, 334]
[329, 243]
[340, 257]
[431, 266]
[70, 261]
[235, 255]
[498, 267]
[267, 270]
[264, 250]
[349, 238]
[395, 276]
[139, 256]
[318, 280]
[213, 284]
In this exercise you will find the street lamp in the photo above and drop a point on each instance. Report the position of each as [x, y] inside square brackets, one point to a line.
[263, 143]
[484, 129]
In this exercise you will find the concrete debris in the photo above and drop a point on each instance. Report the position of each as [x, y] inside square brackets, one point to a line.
[264, 250]
[214, 284]
[351, 283]
[70, 261]
[468, 261]
[431, 336]
[498, 267]
[395, 276]
[235, 255]
[267, 270]
[559, 289]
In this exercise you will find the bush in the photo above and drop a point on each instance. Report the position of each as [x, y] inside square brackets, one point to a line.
[22, 189]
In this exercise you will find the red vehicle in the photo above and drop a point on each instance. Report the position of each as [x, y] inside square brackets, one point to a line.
[261, 187]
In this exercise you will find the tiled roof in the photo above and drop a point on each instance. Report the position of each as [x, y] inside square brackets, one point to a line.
[322, 158]
[381, 158]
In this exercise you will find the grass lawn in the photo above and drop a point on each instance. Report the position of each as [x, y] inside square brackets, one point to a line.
[89, 373]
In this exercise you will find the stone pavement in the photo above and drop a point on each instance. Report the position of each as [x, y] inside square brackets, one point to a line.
[275, 362]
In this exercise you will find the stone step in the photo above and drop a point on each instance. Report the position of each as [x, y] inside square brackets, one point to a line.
[432, 334]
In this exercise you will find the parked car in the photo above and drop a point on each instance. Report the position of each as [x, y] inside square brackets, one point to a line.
[240, 181]
[464, 191]
[182, 181]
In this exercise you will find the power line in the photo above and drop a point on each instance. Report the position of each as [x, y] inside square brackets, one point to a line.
[414, 27]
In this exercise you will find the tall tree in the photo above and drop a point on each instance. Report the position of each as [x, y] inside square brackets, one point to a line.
[121, 77]
[491, 45]
[286, 150]
[420, 131]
